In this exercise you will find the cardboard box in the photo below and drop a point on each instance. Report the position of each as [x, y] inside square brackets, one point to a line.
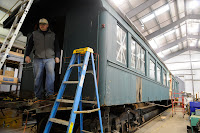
[9, 73]
[1, 72]
[6, 79]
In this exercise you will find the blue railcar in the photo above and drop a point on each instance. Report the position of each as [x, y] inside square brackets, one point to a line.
[131, 76]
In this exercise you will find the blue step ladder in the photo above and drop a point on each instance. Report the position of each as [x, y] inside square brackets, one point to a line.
[82, 67]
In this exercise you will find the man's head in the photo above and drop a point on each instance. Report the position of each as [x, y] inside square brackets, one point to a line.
[43, 24]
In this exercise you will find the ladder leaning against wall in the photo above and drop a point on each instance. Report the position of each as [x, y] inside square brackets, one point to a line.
[14, 30]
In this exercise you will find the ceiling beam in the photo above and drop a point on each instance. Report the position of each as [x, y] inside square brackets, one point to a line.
[141, 8]
[179, 52]
[5, 10]
[176, 42]
[172, 25]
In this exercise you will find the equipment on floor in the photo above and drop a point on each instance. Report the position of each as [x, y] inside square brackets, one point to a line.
[14, 30]
[178, 98]
[82, 67]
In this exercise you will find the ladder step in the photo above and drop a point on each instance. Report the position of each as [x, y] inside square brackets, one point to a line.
[86, 111]
[72, 101]
[19, 14]
[59, 121]
[15, 26]
[70, 82]
[24, 2]
[89, 71]
[65, 101]
[86, 131]
[76, 65]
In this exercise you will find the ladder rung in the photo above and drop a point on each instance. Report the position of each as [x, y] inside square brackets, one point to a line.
[86, 131]
[59, 121]
[19, 14]
[70, 82]
[72, 101]
[64, 108]
[86, 111]
[24, 2]
[92, 102]
[65, 101]
[76, 65]
[15, 26]
[89, 71]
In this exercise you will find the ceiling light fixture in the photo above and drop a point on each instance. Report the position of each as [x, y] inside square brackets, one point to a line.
[161, 55]
[147, 18]
[169, 32]
[118, 2]
[193, 4]
[153, 44]
[157, 12]
[161, 10]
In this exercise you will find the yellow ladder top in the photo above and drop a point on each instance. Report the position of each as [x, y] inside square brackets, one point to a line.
[83, 50]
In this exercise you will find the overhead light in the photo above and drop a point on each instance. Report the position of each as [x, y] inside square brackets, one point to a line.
[161, 55]
[153, 44]
[118, 2]
[161, 10]
[174, 47]
[192, 44]
[147, 18]
[170, 32]
[160, 37]
[156, 13]
[193, 4]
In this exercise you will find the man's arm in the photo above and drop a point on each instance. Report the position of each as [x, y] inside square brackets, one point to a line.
[29, 47]
[57, 50]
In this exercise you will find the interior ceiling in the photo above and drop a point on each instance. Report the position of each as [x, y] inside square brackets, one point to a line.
[172, 28]
[168, 25]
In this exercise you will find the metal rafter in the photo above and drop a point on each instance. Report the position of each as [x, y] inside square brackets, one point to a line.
[140, 8]
[179, 52]
[172, 25]
[176, 42]
[5, 10]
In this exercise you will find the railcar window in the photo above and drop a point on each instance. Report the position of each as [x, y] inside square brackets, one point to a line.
[158, 74]
[133, 45]
[138, 52]
[164, 78]
[143, 60]
[152, 69]
[121, 45]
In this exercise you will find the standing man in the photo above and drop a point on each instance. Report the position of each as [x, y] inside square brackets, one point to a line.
[46, 51]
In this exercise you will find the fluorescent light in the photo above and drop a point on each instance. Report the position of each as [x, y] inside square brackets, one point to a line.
[192, 44]
[170, 32]
[193, 4]
[118, 2]
[162, 10]
[174, 47]
[153, 44]
[161, 55]
[159, 37]
[147, 18]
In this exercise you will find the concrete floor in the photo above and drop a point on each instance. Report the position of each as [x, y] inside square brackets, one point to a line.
[176, 124]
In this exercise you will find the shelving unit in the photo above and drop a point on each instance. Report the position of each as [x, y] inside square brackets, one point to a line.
[10, 80]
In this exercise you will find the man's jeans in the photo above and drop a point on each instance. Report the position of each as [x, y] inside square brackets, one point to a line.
[38, 70]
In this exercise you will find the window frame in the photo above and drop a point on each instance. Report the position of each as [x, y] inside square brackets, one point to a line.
[126, 39]
[159, 66]
[153, 60]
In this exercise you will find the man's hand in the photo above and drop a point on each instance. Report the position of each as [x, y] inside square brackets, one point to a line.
[28, 59]
[57, 60]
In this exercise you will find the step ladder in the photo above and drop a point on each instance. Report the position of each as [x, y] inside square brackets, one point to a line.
[82, 67]
[177, 100]
[14, 30]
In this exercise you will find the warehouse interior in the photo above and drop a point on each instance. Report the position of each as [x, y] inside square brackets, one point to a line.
[171, 28]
